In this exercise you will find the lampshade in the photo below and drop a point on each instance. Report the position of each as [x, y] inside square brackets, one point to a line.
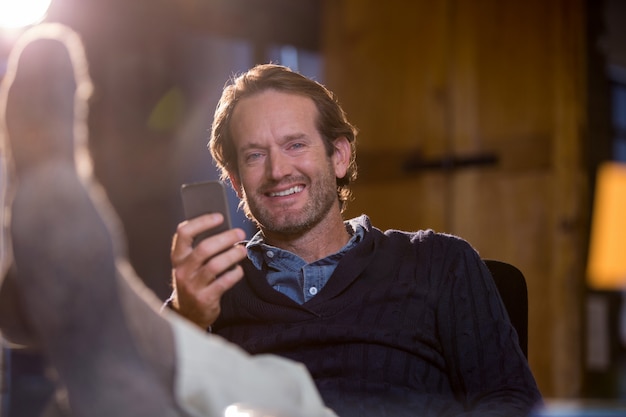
[606, 268]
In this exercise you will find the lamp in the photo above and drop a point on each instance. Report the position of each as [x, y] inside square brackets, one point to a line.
[606, 269]
[19, 14]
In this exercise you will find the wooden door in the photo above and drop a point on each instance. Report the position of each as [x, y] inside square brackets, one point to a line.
[471, 121]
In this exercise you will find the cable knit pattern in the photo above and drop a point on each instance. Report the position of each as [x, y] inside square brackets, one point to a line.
[410, 324]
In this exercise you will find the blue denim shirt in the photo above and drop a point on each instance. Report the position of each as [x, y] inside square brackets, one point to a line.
[291, 275]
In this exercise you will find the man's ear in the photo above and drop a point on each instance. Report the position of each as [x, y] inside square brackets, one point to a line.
[234, 180]
[341, 156]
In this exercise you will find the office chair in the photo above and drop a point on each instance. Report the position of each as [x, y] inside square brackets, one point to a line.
[514, 293]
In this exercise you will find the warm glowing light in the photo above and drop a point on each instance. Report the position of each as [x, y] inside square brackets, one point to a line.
[235, 411]
[20, 13]
[607, 253]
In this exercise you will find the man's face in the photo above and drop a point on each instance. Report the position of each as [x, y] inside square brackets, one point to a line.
[286, 179]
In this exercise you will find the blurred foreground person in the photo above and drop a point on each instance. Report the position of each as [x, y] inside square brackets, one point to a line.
[67, 287]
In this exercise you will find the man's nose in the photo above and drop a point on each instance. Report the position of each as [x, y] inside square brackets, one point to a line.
[278, 165]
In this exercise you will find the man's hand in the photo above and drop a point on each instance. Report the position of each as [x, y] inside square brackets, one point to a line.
[201, 275]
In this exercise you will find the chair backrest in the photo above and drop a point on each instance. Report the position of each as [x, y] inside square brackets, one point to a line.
[511, 285]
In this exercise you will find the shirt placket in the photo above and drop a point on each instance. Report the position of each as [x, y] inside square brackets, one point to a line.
[311, 280]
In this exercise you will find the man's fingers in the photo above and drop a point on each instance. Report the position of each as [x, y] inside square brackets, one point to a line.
[202, 274]
[187, 230]
[221, 263]
[225, 282]
[214, 246]
[205, 307]
[198, 273]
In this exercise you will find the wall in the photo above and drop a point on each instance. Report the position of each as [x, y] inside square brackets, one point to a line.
[485, 102]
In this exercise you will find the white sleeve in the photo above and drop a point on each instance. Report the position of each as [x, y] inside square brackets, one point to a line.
[213, 374]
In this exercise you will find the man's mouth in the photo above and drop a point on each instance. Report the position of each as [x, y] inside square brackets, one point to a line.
[293, 190]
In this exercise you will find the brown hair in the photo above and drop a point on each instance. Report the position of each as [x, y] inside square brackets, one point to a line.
[331, 121]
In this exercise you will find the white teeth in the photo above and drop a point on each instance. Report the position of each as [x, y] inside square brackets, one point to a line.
[292, 190]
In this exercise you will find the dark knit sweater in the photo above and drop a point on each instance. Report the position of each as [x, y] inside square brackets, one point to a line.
[410, 324]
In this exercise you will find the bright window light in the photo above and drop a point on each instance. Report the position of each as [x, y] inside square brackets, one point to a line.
[20, 13]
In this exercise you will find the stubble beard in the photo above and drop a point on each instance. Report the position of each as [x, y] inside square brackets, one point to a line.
[322, 197]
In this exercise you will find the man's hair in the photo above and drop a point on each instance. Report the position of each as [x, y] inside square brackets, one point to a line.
[331, 119]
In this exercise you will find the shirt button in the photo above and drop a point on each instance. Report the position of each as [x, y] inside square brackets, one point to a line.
[312, 290]
[270, 254]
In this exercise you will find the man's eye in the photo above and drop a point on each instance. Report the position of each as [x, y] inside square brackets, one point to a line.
[297, 145]
[251, 157]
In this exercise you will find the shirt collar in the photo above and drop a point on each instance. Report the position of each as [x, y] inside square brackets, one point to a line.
[257, 248]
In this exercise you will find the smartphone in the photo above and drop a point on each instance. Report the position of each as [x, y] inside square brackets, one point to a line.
[202, 198]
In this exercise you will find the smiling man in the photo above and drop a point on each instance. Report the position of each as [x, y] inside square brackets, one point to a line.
[388, 323]
[285, 175]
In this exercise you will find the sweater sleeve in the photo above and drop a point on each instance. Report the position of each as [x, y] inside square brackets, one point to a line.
[489, 373]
